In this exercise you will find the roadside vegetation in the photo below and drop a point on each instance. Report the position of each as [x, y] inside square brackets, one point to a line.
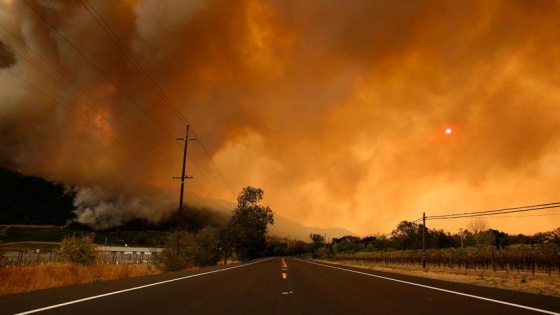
[25, 278]
[242, 238]
[476, 255]
[202, 238]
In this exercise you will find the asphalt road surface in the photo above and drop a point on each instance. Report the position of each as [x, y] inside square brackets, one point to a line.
[277, 286]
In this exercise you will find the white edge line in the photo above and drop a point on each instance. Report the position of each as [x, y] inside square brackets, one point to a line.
[439, 289]
[135, 288]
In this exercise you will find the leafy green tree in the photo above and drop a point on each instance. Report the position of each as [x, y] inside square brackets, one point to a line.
[407, 235]
[178, 251]
[318, 244]
[226, 241]
[206, 249]
[318, 240]
[347, 244]
[79, 250]
[246, 230]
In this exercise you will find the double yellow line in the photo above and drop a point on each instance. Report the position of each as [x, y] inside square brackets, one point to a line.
[285, 276]
[284, 268]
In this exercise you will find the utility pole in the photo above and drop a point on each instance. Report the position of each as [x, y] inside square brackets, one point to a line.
[424, 240]
[183, 176]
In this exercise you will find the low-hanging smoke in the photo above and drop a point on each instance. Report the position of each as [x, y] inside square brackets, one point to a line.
[336, 110]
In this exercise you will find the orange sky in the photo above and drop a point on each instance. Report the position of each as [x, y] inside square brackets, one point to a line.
[337, 110]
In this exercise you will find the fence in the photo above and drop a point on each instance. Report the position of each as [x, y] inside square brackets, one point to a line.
[106, 255]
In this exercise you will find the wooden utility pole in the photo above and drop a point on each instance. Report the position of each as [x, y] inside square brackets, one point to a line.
[183, 176]
[424, 240]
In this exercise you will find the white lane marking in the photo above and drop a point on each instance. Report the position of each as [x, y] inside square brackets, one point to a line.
[438, 289]
[137, 288]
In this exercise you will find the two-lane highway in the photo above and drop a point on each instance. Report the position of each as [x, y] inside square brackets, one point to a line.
[278, 286]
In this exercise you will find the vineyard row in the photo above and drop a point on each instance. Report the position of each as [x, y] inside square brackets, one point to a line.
[542, 257]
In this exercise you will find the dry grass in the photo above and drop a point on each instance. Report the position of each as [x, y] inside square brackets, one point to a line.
[19, 279]
[539, 283]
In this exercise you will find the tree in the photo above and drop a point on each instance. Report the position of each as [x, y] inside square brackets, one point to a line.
[478, 225]
[318, 240]
[407, 236]
[347, 244]
[178, 251]
[79, 250]
[206, 249]
[318, 245]
[482, 235]
[299, 248]
[246, 230]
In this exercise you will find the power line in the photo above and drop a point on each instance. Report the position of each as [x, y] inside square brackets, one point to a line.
[496, 212]
[100, 71]
[79, 116]
[527, 216]
[122, 126]
[143, 72]
[217, 169]
[119, 43]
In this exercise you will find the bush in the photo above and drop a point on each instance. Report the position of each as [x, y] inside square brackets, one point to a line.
[206, 247]
[79, 250]
[178, 251]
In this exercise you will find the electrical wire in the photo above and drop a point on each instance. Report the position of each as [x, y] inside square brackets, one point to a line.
[103, 114]
[138, 66]
[119, 44]
[496, 212]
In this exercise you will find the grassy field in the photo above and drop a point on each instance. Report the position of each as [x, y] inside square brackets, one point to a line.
[539, 283]
[19, 279]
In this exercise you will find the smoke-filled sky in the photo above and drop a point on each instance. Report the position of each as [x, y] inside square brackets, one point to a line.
[336, 109]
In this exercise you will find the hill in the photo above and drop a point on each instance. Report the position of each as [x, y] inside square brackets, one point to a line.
[32, 200]
[28, 199]
[286, 228]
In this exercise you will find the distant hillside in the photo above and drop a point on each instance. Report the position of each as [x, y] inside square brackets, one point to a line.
[284, 227]
[33, 200]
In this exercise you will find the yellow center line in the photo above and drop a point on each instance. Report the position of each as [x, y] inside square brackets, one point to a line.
[284, 265]
[284, 275]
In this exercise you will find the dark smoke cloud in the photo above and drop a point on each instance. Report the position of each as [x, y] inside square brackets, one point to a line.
[7, 57]
[336, 110]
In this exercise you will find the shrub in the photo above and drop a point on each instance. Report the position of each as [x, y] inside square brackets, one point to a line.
[178, 251]
[206, 247]
[79, 250]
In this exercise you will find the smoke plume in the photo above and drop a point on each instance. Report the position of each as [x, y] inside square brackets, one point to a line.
[7, 58]
[336, 110]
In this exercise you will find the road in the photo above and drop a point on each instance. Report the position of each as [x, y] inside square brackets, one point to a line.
[277, 286]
